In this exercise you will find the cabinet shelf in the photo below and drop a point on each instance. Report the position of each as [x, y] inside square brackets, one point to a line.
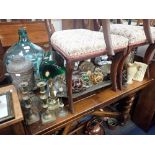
[88, 90]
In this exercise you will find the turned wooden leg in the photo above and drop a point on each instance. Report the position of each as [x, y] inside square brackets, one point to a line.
[114, 69]
[148, 56]
[120, 67]
[67, 129]
[69, 69]
[126, 107]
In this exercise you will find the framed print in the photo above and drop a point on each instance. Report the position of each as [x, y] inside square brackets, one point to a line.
[6, 107]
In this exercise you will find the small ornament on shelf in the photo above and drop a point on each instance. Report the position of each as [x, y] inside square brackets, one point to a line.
[131, 71]
[97, 76]
[86, 80]
[77, 83]
[87, 66]
[48, 68]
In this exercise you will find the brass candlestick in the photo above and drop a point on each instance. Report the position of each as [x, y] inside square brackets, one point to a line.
[62, 111]
[53, 104]
[31, 115]
[42, 86]
[51, 88]
[46, 115]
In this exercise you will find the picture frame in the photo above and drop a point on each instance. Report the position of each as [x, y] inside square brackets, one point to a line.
[6, 107]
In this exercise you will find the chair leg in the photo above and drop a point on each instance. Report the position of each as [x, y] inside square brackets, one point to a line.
[148, 56]
[120, 68]
[114, 69]
[69, 69]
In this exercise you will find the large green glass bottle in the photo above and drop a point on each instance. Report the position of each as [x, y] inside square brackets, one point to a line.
[48, 67]
[24, 47]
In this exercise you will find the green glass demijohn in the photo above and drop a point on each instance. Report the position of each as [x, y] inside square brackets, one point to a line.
[24, 47]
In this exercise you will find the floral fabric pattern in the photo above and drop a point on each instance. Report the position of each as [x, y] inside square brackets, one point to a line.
[77, 42]
[135, 34]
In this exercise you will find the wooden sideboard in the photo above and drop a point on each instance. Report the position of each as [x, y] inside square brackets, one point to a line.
[88, 106]
[84, 107]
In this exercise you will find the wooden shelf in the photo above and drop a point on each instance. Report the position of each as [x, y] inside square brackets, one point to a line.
[87, 106]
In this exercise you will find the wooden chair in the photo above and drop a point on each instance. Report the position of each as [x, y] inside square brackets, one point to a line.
[138, 36]
[81, 44]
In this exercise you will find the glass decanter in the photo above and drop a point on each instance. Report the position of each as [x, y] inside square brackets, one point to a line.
[24, 47]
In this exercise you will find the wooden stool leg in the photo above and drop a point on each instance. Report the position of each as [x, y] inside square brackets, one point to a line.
[148, 56]
[114, 68]
[69, 69]
[120, 68]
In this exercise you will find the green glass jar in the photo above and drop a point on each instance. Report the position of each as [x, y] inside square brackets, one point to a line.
[24, 47]
[48, 68]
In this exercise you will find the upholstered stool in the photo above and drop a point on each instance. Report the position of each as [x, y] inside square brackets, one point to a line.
[80, 44]
[137, 36]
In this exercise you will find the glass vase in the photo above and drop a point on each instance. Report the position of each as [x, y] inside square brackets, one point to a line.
[24, 47]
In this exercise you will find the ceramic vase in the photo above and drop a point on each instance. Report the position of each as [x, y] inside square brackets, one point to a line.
[131, 71]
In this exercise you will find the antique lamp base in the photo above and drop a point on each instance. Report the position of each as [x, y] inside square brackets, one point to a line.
[32, 118]
[48, 117]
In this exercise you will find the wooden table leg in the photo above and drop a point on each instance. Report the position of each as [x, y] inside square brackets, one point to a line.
[126, 107]
[19, 129]
[67, 129]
